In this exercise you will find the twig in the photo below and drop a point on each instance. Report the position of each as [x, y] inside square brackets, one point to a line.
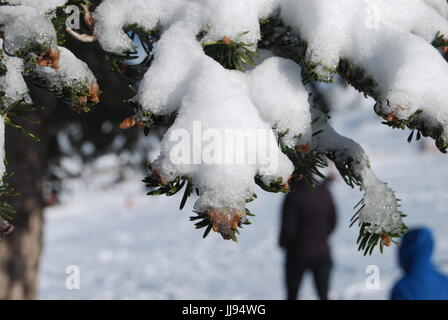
[88, 19]
[81, 37]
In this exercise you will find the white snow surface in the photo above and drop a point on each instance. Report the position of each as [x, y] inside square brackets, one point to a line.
[131, 246]
[12, 83]
[23, 25]
[72, 72]
[229, 18]
[219, 102]
[277, 91]
[392, 43]
[43, 6]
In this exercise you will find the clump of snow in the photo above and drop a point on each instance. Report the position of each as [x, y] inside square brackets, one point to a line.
[380, 209]
[175, 62]
[359, 24]
[380, 206]
[231, 18]
[439, 5]
[73, 73]
[112, 16]
[43, 6]
[13, 89]
[218, 102]
[277, 91]
[24, 28]
[414, 77]
[238, 20]
[12, 85]
[183, 79]
[389, 39]
[275, 85]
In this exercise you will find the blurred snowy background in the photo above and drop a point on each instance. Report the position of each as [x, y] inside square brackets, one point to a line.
[131, 246]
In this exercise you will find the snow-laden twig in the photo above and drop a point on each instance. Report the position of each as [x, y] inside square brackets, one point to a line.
[387, 44]
[378, 213]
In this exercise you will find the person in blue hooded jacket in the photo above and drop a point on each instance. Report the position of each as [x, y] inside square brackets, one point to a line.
[421, 280]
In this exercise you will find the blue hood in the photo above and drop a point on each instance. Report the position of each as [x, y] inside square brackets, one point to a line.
[416, 250]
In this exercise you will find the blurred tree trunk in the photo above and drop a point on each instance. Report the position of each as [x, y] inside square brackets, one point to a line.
[20, 251]
[29, 160]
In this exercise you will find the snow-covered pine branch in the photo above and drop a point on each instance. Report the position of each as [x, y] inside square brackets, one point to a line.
[378, 214]
[382, 51]
[181, 80]
[391, 42]
[73, 80]
[28, 49]
[199, 74]
[29, 34]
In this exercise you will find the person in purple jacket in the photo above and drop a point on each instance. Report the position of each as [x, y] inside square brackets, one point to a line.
[421, 280]
[308, 219]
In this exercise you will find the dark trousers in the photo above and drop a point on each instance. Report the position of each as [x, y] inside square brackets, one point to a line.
[297, 266]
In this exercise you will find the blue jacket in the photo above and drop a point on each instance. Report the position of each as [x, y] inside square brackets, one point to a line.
[421, 280]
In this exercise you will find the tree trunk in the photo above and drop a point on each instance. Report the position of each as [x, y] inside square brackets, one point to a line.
[20, 251]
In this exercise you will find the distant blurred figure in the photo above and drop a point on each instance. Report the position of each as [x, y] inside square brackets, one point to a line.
[421, 281]
[308, 218]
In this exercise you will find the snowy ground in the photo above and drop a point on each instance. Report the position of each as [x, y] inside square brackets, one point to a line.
[130, 246]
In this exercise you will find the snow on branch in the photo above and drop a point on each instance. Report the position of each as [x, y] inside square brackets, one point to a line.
[206, 95]
[29, 34]
[73, 81]
[198, 83]
[184, 86]
[28, 49]
[277, 91]
[378, 215]
[235, 19]
[387, 44]
[13, 88]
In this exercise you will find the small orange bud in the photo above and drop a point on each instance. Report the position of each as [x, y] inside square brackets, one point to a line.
[391, 117]
[225, 220]
[386, 239]
[227, 41]
[303, 148]
[94, 92]
[157, 176]
[49, 59]
[128, 123]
